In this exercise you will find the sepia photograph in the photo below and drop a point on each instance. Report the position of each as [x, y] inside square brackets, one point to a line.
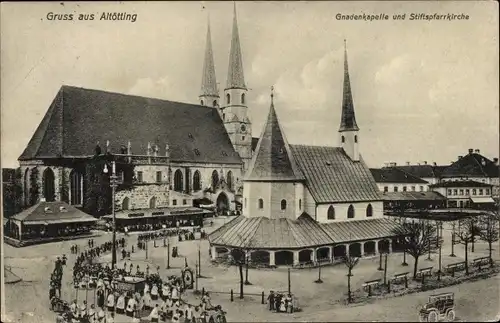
[250, 161]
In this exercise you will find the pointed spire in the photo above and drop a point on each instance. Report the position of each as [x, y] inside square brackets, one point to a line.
[208, 80]
[235, 77]
[348, 118]
[273, 160]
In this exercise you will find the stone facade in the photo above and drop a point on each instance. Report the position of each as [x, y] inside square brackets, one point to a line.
[139, 197]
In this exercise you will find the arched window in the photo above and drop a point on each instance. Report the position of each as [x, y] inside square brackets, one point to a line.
[152, 203]
[350, 212]
[261, 204]
[27, 187]
[369, 211]
[356, 139]
[76, 187]
[196, 181]
[283, 205]
[229, 180]
[202, 102]
[331, 213]
[215, 179]
[214, 103]
[228, 98]
[300, 204]
[343, 139]
[49, 185]
[178, 179]
[125, 203]
[243, 98]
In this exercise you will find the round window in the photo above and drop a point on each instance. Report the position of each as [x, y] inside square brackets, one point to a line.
[243, 128]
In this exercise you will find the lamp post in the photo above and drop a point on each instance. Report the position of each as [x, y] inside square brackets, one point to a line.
[113, 180]
[439, 237]
[453, 239]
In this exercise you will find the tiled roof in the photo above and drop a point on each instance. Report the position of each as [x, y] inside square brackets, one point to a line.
[152, 213]
[412, 196]
[331, 176]
[348, 118]
[359, 230]
[467, 183]
[472, 165]
[394, 175]
[422, 171]
[272, 159]
[78, 118]
[54, 213]
[264, 233]
[261, 232]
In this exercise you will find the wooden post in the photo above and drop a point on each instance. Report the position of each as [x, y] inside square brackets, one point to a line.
[380, 261]
[168, 252]
[199, 261]
[232, 296]
[289, 282]
[385, 270]
[406, 281]
[369, 290]
[263, 302]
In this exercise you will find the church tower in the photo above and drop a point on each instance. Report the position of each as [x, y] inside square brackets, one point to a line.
[234, 106]
[209, 95]
[273, 186]
[349, 137]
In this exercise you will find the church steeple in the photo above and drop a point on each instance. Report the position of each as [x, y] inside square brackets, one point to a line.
[273, 160]
[234, 109]
[209, 95]
[235, 76]
[348, 118]
[348, 128]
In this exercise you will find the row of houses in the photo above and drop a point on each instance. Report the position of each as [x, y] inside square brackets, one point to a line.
[470, 181]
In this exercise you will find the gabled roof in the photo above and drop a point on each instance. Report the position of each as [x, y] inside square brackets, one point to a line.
[235, 76]
[208, 80]
[412, 196]
[79, 118]
[52, 212]
[421, 171]
[272, 159]
[262, 232]
[472, 165]
[466, 183]
[331, 176]
[348, 118]
[394, 175]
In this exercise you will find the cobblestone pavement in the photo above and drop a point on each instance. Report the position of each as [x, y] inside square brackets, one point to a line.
[27, 301]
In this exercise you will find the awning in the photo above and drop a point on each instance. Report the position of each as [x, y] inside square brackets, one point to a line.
[486, 199]
[41, 222]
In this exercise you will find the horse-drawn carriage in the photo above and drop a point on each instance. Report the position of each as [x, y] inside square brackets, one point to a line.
[439, 307]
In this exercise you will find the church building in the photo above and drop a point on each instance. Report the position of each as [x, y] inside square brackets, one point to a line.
[306, 203]
[180, 152]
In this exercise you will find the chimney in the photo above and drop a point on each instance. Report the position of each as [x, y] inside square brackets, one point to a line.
[460, 157]
[167, 151]
[471, 150]
[386, 164]
[407, 163]
[425, 162]
[149, 148]
[393, 164]
[477, 151]
[495, 160]
[434, 163]
[418, 164]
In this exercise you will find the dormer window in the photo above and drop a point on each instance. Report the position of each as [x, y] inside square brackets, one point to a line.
[224, 153]
[190, 135]
[47, 210]
[197, 152]
[62, 209]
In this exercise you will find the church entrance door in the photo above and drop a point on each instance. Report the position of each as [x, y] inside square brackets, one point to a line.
[222, 202]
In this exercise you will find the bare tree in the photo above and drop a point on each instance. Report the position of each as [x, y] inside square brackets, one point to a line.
[350, 262]
[489, 231]
[468, 231]
[418, 238]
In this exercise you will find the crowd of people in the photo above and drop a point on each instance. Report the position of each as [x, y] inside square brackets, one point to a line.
[282, 302]
[161, 224]
[160, 300]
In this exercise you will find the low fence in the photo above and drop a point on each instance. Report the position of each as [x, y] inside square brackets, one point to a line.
[230, 294]
[24, 243]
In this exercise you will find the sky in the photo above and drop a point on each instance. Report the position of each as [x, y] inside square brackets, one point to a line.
[423, 90]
